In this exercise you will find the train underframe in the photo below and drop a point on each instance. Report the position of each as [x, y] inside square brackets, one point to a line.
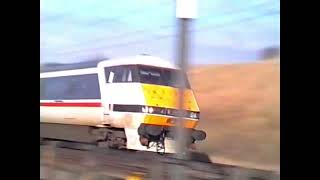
[156, 135]
[115, 138]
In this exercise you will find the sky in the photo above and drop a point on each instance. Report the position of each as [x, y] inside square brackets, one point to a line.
[224, 32]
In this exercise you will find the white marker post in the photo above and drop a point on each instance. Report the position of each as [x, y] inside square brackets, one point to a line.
[186, 10]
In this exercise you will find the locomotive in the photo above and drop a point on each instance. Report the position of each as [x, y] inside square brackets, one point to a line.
[125, 103]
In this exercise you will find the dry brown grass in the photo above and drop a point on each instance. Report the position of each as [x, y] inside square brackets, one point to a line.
[240, 111]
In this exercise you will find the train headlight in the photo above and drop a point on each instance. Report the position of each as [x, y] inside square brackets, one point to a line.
[193, 115]
[150, 110]
[147, 109]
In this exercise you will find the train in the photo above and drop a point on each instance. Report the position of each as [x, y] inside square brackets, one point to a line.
[123, 103]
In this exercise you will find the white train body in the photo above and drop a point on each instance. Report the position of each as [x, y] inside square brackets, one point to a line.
[121, 93]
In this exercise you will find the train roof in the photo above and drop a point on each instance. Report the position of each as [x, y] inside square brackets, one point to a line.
[63, 67]
[141, 59]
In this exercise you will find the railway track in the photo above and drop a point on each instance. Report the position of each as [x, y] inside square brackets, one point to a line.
[90, 162]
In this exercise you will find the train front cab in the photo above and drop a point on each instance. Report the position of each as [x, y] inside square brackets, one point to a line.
[143, 100]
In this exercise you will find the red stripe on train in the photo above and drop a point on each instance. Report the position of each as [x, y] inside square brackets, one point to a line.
[71, 104]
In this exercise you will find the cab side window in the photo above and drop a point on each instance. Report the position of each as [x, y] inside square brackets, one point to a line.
[119, 74]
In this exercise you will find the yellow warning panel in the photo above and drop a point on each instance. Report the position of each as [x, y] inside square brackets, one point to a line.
[167, 97]
[167, 121]
[135, 176]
